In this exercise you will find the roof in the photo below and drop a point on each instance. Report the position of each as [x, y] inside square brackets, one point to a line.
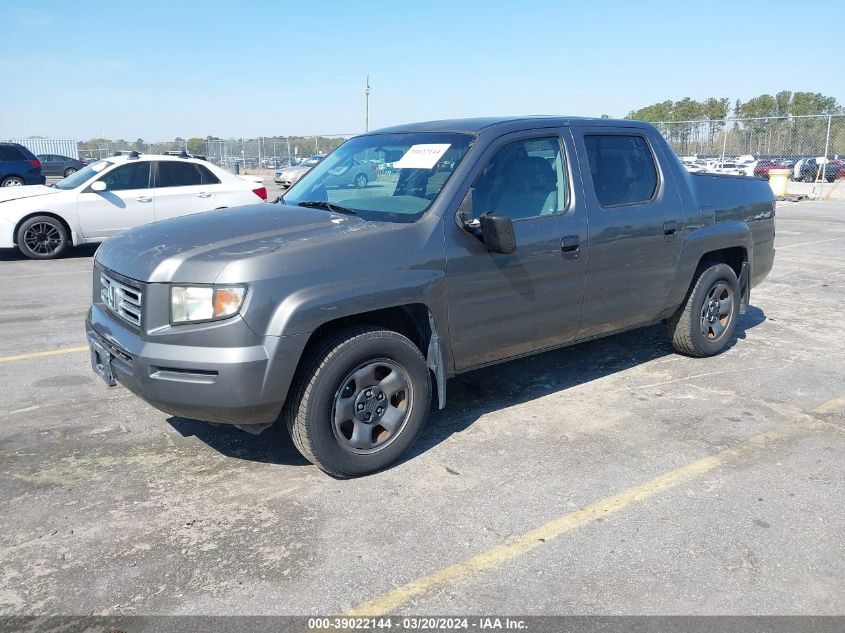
[506, 124]
[124, 158]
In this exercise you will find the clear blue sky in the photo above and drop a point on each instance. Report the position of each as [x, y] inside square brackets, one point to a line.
[159, 69]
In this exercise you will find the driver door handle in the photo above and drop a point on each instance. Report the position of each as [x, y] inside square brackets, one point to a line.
[203, 194]
[144, 198]
[570, 246]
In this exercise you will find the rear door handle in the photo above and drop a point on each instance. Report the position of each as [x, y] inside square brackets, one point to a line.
[203, 194]
[570, 246]
[669, 229]
[144, 199]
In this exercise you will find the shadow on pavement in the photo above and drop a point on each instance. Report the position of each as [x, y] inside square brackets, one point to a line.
[273, 446]
[476, 393]
[75, 252]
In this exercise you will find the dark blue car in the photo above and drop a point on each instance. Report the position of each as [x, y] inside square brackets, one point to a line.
[19, 166]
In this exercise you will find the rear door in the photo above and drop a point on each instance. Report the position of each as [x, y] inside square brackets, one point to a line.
[636, 222]
[500, 305]
[126, 202]
[183, 187]
[14, 162]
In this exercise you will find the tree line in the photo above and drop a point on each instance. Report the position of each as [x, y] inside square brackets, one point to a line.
[770, 126]
[202, 145]
[784, 103]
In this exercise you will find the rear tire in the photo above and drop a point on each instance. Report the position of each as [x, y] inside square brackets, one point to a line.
[42, 237]
[705, 323]
[12, 181]
[359, 400]
[361, 181]
[70, 171]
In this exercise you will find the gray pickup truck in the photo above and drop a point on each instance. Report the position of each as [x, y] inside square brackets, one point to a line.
[344, 310]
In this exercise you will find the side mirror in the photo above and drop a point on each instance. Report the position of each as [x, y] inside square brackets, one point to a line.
[98, 186]
[497, 231]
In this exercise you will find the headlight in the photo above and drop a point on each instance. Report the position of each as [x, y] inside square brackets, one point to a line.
[204, 303]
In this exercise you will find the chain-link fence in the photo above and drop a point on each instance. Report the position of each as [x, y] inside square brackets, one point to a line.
[751, 145]
[259, 155]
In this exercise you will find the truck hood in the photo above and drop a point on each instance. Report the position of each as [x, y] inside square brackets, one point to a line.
[27, 191]
[195, 248]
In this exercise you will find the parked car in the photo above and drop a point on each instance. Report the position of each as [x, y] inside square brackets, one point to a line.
[346, 312]
[727, 168]
[811, 170]
[763, 166]
[112, 195]
[19, 166]
[838, 166]
[691, 165]
[58, 165]
[351, 173]
[288, 176]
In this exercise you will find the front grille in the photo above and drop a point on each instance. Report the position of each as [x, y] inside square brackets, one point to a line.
[121, 299]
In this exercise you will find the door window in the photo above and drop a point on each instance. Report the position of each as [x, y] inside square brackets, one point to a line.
[622, 168]
[179, 174]
[524, 179]
[135, 175]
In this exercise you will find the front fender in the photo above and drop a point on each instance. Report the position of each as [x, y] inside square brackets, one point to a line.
[735, 233]
[304, 310]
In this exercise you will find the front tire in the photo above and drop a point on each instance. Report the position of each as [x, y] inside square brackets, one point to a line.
[359, 401]
[361, 181]
[705, 323]
[42, 237]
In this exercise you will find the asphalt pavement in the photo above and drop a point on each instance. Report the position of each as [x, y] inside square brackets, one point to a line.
[610, 477]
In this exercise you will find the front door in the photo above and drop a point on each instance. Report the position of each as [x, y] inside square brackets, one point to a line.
[126, 202]
[636, 229]
[501, 306]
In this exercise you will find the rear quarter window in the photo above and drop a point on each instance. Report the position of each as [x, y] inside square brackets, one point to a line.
[11, 154]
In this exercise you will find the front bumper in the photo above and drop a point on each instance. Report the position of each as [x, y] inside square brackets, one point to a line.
[229, 385]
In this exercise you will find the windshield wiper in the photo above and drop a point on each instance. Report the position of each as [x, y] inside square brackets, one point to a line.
[328, 206]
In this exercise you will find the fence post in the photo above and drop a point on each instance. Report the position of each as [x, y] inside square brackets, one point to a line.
[826, 148]
[724, 143]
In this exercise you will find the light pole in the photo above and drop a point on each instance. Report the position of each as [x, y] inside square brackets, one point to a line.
[367, 106]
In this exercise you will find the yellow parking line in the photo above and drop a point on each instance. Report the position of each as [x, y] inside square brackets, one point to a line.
[52, 352]
[555, 528]
[830, 405]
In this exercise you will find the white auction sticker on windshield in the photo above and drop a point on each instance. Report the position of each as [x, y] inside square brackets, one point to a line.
[422, 156]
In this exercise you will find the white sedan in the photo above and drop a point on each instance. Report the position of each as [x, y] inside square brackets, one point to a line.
[112, 195]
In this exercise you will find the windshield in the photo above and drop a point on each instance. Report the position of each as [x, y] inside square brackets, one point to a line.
[391, 177]
[84, 174]
[311, 161]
